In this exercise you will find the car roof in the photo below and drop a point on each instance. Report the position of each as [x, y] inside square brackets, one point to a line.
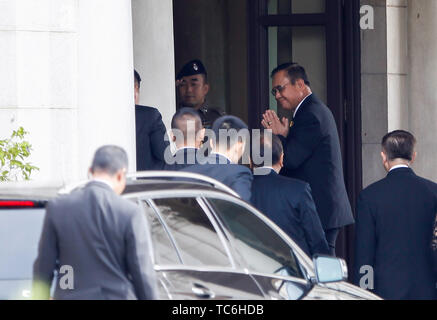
[37, 191]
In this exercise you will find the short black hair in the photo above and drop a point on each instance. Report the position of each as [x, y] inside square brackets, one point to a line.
[398, 144]
[137, 78]
[294, 72]
[109, 159]
[228, 124]
[182, 116]
[269, 145]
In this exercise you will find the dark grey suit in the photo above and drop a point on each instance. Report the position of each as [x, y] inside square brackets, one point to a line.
[104, 238]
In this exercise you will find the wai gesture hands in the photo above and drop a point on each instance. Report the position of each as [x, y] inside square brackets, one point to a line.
[271, 121]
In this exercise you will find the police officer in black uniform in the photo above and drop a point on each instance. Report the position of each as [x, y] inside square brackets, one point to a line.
[192, 84]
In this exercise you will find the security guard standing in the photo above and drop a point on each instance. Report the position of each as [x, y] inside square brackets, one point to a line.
[192, 84]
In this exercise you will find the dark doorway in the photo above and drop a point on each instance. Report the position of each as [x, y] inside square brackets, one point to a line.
[215, 31]
[241, 41]
[323, 36]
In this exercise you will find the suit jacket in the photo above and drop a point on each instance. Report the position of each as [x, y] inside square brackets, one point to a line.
[312, 154]
[434, 244]
[106, 241]
[182, 158]
[395, 217]
[237, 177]
[288, 203]
[150, 141]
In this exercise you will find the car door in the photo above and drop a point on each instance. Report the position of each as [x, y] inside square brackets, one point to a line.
[269, 259]
[192, 256]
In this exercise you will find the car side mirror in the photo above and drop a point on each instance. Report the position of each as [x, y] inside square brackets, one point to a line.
[329, 269]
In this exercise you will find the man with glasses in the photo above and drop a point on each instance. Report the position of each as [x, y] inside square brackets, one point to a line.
[311, 146]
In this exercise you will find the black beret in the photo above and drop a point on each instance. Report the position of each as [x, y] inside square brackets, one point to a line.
[191, 68]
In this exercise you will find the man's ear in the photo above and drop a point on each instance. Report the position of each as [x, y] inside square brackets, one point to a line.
[200, 135]
[281, 160]
[172, 136]
[205, 89]
[383, 157]
[413, 158]
[119, 175]
[300, 83]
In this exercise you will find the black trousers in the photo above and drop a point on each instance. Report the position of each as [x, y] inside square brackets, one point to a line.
[331, 238]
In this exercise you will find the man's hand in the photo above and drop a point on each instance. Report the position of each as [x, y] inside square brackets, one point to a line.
[271, 121]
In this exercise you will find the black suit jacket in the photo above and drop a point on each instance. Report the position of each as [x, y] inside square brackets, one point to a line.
[434, 244]
[106, 241]
[237, 177]
[150, 141]
[312, 154]
[182, 158]
[395, 218]
[288, 203]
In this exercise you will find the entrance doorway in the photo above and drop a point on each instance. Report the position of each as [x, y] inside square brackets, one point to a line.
[241, 41]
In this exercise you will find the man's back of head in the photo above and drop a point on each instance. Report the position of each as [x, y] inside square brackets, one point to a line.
[271, 151]
[231, 137]
[137, 84]
[398, 148]
[110, 163]
[187, 128]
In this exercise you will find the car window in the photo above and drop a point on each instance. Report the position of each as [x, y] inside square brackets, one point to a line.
[261, 247]
[20, 230]
[164, 251]
[195, 236]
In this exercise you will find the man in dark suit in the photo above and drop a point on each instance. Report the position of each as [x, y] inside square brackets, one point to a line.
[434, 245]
[395, 218]
[187, 134]
[228, 140]
[311, 147]
[150, 134]
[102, 239]
[287, 202]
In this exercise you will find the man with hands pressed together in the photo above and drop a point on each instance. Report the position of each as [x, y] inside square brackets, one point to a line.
[311, 146]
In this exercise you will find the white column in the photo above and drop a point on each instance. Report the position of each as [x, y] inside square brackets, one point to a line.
[66, 77]
[154, 54]
[106, 113]
[423, 83]
[38, 63]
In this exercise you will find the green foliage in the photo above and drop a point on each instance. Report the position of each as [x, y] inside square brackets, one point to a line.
[13, 154]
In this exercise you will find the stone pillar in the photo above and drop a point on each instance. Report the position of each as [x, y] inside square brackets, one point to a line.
[397, 65]
[423, 83]
[106, 113]
[66, 77]
[374, 103]
[38, 78]
[154, 54]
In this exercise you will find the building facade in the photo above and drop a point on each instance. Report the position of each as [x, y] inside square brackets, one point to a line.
[66, 71]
